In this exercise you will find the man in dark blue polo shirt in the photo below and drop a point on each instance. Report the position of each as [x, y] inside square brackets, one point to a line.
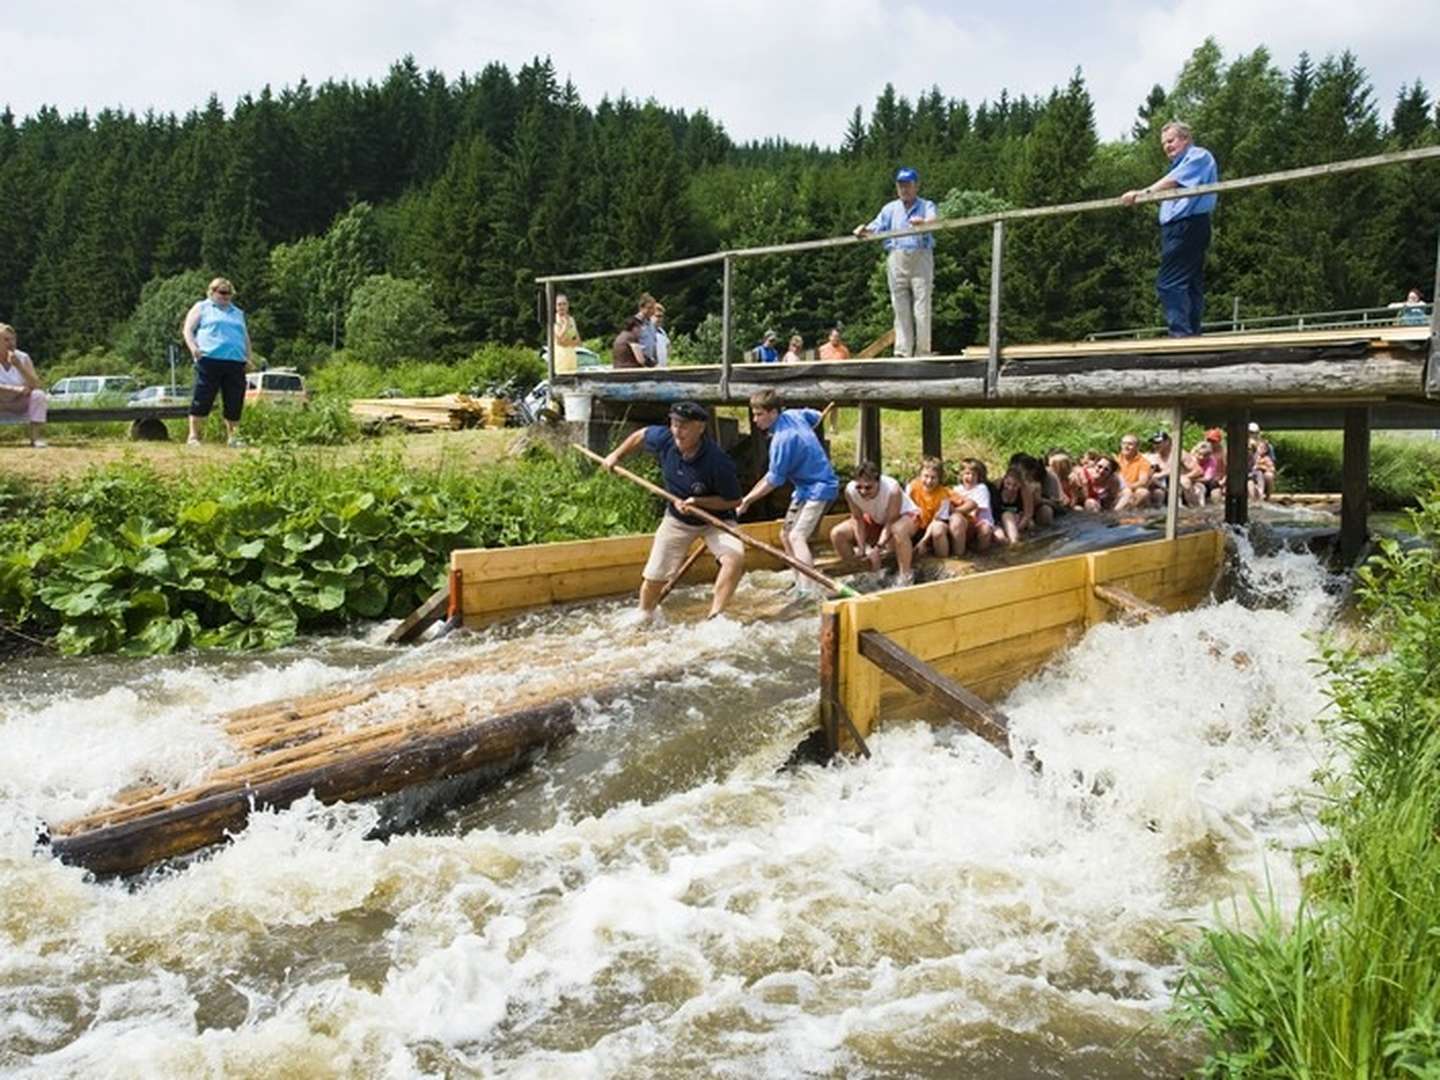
[699, 473]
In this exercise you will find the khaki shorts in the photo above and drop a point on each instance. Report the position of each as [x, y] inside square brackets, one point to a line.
[672, 543]
[803, 518]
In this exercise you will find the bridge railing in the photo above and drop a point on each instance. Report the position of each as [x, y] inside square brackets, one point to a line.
[1342, 319]
[997, 222]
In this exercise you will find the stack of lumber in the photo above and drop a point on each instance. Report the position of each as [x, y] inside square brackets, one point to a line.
[450, 412]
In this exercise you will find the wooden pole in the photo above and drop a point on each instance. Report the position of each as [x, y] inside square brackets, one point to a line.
[830, 678]
[1355, 483]
[1172, 495]
[724, 526]
[1237, 468]
[992, 366]
[725, 328]
[550, 329]
[868, 446]
[930, 431]
[1432, 374]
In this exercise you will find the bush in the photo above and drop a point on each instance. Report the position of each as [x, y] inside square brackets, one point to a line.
[391, 319]
[155, 323]
[510, 368]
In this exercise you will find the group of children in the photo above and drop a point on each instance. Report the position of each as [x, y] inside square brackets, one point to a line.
[929, 517]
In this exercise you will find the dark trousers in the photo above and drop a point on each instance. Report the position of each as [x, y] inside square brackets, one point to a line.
[1181, 281]
[225, 377]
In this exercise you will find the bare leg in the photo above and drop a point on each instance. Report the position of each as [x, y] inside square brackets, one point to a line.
[1044, 515]
[939, 539]
[195, 422]
[957, 531]
[731, 567]
[650, 594]
[900, 534]
[984, 534]
[842, 539]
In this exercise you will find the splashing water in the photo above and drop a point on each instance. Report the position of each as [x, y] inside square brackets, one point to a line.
[653, 898]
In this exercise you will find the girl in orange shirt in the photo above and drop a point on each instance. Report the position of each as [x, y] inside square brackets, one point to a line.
[930, 495]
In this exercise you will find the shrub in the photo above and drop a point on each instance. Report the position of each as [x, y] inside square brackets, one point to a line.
[391, 319]
[155, 323]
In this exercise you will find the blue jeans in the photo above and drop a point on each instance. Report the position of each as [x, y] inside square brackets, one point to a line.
[1181, 281]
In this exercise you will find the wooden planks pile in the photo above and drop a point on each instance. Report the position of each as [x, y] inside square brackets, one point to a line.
[354, 742]
[449, 412]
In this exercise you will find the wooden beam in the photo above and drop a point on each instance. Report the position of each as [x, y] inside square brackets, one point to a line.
[1177, 454]
[421, 619]
[1128, 603]
[976, 715]
[550, 330]
[1237, 468]
[1432, 377]
[930, 437]
[830, 678]
[992, 364]
[867, 446]
[1355, 484]
[726, 329]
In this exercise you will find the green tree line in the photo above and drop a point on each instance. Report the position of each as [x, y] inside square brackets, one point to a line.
[408, 218]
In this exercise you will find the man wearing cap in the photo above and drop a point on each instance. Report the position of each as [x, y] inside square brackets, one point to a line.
[1184, 228]
[701, 474]
[765, 352]
[910, 265]
[1162, 470]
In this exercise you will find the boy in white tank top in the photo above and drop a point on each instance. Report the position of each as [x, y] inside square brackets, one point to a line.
[882, 519]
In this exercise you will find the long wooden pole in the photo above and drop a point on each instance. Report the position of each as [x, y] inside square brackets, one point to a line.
[1172, 493]
[992, 364]
[724, 526]
[699, 548]
[550, 330]
[725, 329]
[1285, 176]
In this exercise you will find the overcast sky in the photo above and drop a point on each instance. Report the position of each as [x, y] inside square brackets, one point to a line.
[760, 67]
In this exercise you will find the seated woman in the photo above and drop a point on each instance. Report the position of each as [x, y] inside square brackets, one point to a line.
[932, 499]
[1016, 507]
[1206, 475]
[1262, 470]
[1099, 484]
[882, 519]
[1058, 490]
[1033, 472]
[971, 519]
[20, 393]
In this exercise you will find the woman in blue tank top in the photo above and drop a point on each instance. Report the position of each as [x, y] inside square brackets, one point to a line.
[220, 344]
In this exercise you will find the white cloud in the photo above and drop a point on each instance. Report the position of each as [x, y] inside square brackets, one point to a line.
[760, 67]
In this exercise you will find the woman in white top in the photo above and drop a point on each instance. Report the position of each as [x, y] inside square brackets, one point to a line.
[882, 519]
[972, 517]
[792, 354]
[662, 339]
[20, 393]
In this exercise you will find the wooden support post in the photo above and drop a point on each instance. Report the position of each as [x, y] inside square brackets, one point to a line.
[550, 328]
[977, 715]
[867, 447]
[1177, 450]
[1432, 373]
[992, 367]
[1237, 468]
[1355, 484]
[830, 679]
[725, 328]
[930, 431]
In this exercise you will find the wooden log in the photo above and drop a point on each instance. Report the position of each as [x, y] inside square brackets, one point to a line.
[992, 361]
[867, 446]
[876, 347]
[421, 619]
[1130, 604]
[1237, 468]
[1355, 484]
[830, 679]
[975, 715]
[930, 437]
[494, 746]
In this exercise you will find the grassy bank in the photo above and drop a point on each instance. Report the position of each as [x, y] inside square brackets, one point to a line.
[250, 552]
[1350, 986]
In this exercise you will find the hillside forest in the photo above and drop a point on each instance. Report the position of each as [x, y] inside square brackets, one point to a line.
[407, 219]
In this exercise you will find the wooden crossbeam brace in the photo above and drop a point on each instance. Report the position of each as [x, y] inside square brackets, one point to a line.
[976, 715]
[1129, 604]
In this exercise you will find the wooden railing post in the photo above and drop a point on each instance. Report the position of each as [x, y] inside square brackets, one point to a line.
[930, 431]
[1432, 373]
[550, 328]
[992, 366]
[1177, 450]
[1355, 483]
[1237, 468]
[725, 329]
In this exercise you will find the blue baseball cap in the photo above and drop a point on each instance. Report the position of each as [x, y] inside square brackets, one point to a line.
[907, 174]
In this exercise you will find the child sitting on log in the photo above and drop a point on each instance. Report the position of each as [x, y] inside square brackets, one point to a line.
[932, 499]
[970, 513]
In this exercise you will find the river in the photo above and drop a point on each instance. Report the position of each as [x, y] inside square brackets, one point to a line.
[655, 898]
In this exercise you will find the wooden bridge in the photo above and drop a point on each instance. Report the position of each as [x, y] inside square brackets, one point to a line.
[1355, 378]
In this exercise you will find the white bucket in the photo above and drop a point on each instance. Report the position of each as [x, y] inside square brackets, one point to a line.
[577, 406]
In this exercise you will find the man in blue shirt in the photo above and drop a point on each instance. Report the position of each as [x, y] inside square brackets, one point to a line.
[699, 473]
[765, 352]
[796, 457]
[646, 337]
[910, 265]
[1184, 229]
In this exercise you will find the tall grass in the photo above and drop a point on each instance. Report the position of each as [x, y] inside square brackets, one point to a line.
[1350, 985]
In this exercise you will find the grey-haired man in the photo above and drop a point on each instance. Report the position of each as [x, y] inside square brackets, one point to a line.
[910, 264]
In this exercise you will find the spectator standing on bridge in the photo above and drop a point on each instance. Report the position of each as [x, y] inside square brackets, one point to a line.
[910, 263]
[662, 339]
[219, 342]
[20, 392]
[646, 334]
[796, 457]
[1184, 228]
[765, 352]
[794, 351]
[697, 471]
[1412, 310]
[567, 337]
[625, 350]
[834, 347]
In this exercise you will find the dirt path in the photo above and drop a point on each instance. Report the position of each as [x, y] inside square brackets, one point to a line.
[75, 455]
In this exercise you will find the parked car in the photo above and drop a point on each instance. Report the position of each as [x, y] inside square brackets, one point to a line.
[584, 358]
[159, 395]
[88, 389]
[278, 385]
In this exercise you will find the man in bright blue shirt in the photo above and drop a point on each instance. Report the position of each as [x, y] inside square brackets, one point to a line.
[765, 352]
[796, 457]
[910, 265]
[1184, 229]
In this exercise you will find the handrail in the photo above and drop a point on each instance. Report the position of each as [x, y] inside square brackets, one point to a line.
[1384, 315]
[1283, 176]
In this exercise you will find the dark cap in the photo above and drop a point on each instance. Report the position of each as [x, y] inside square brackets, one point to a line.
[1160, 436]
[689, 410]
[907, 175]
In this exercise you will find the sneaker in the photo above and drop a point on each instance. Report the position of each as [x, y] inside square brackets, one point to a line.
[39, 444]
[236, 442]
[192, 441]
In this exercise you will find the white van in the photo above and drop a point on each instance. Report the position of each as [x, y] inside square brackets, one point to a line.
[276, 385]
[84, 389]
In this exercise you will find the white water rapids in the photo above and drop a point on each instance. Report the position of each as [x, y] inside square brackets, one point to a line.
[654, 899]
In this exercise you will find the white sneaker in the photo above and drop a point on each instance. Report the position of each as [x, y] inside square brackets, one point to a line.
[39, 444]
[192, 441]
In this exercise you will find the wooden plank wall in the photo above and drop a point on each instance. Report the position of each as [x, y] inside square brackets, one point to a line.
[990, 630]
[496, 582]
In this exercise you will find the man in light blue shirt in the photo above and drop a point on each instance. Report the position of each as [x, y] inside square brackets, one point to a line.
[910, 263]
[1184, 229]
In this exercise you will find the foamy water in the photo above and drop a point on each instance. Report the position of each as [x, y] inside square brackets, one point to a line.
[654, 899]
